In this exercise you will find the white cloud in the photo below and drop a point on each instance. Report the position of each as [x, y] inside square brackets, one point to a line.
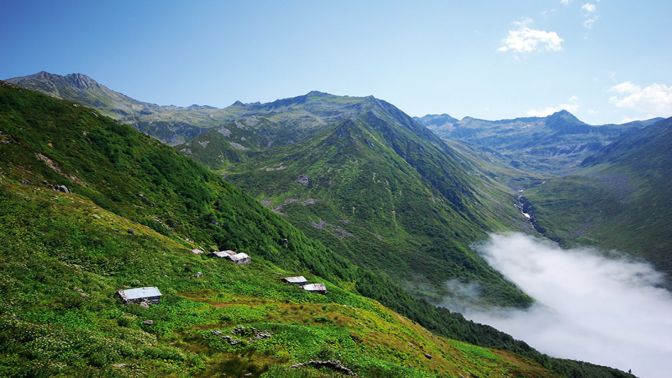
[572, 106]
[606, 310]
[589, 8]
[524, 39]
[589, 22]
[565, 2]
[652, 99]
[589, 15]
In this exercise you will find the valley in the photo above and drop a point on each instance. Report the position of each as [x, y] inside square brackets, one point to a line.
[320, 189]
[384, 210]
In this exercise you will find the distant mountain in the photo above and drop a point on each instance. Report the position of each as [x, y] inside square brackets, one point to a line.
[176, 125]
[89, 206]
[554, 144]
[360, 175]
[620, 197]
[369, 181]
[83, 89]
[438, 121]
[170, 124]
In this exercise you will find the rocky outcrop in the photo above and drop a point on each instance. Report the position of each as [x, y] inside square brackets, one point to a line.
[303, 180]
[335, 365]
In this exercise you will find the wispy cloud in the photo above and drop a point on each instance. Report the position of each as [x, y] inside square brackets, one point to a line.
[590, 16]
[565, 2]
[606, 310]
[572, 105]
[524, 39]
[651, 99]
[589, 7]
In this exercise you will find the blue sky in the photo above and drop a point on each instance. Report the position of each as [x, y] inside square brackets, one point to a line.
[606, 61]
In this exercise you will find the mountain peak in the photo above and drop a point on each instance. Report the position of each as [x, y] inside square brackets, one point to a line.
[317, 94]
[564, 115]
[81, 81]
[77, 80]
[563, 119]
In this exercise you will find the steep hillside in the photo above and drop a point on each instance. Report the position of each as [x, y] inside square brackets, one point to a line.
[82, 89]
[378, 188]
[555, 144]
[176, 125]
[361, 176]
[131, 214]
[620, 197]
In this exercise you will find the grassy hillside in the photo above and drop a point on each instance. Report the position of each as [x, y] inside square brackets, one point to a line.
[382, 191]
[60, 316]
[135, 210]
[619, 199]
[372, 184]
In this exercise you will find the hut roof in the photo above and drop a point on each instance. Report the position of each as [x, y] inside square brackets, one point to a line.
[239, 256]
[315, 287]
[223, 254]
[140, 292]
[296, 279]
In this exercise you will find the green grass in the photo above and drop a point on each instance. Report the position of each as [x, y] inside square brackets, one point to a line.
[136, 210]
[60, 316]
[619, 200]
[386, 197]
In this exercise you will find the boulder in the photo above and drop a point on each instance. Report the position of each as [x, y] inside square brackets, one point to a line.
[335, 365]
[303, 180]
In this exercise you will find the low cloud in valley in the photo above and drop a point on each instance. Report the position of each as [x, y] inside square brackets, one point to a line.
[591, 306]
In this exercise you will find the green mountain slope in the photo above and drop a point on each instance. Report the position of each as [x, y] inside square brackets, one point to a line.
[383, 192]
[620, 198]
[376, 187]
[133, 212]
[555, 144]
[176, 125]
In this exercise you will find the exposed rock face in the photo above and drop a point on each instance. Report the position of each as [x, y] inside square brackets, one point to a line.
[303, 180]
[320, 225]
[231, 340]
[62, 188]
[238, 146]
[335, 365]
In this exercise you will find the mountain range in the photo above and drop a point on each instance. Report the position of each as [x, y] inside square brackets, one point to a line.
[354, 172]
[554, 144]
[619, 198]
[347, 190]
[133, 212]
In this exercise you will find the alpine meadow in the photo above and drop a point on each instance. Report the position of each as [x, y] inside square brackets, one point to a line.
[329, 189]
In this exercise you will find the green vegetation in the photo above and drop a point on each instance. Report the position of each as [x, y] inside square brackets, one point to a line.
[370, 183]
[135, 211]
[619, 199]
[383, 192]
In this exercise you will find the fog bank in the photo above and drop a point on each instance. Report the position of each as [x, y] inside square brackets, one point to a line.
[589, 307]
